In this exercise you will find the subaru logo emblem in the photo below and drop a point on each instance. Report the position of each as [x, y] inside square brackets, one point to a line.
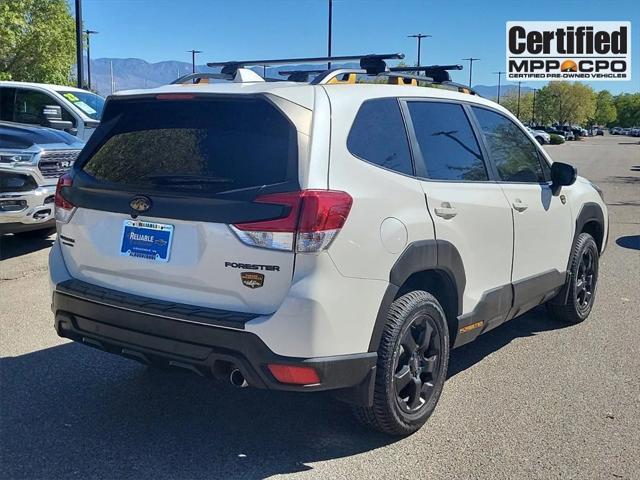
[140, 204]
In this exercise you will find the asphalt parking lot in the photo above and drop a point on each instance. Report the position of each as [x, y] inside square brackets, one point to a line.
[531, 399]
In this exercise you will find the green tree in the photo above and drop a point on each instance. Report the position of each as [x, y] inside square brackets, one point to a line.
[565, 103]
[605, 109]
[37, 41]
[628, 108]
[510, 102]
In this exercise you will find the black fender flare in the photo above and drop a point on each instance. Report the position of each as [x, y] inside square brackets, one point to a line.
[589, 212]
[419, 256]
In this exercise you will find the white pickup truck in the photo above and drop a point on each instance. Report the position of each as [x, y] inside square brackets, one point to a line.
[61, 107]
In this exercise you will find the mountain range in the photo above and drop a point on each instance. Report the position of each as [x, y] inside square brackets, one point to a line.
[130, 73]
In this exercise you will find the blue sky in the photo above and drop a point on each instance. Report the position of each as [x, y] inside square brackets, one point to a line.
[156, 30]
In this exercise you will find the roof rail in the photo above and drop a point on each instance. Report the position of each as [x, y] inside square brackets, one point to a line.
[328, 76]
[372, 63]
[199, 77]
[439, 73]
[300, 75]
[430, 81]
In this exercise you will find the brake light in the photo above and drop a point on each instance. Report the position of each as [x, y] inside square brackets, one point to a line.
[294, 375]
[175, 96]
[64, 209]
[314, 219]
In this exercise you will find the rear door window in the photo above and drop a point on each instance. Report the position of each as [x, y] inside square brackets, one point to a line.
[205, 145]
[447, 143]
[379, 137]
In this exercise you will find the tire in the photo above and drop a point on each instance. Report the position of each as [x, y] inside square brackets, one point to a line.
[574, 302]
[540, 140]
[414, 320]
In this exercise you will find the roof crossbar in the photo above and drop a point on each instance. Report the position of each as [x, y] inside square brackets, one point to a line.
[372, 63]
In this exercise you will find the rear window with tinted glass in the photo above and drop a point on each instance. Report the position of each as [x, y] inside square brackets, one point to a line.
[208, 145]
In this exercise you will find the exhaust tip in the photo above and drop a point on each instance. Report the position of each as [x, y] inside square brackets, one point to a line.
[237, 379]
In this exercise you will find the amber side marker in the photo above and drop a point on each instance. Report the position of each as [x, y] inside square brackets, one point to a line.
[473, 326]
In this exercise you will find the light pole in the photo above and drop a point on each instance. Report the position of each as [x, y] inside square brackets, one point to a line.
[88, 33]
[518, 115]
[499, 77]
[79, 54]
[471, 60]
[193, 59]
[329, 35]
[419, 37]
[533, 113]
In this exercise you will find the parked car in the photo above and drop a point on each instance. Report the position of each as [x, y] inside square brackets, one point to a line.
[284, 242]
[65, 108]
[541, 136]
[568, 133]
[32, 159]
[600, 131]
[555, 131]
[615, 131]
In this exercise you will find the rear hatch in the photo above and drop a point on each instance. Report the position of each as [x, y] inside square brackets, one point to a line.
[161, 183]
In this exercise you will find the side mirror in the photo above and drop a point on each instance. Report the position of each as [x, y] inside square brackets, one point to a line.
[52, 115]
[562, 174]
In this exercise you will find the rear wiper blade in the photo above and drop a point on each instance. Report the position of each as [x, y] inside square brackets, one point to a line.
[185, 179]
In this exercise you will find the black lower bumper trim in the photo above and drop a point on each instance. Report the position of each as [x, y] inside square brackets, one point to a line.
[206, 350]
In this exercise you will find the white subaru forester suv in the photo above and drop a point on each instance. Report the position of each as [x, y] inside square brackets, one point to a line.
[317, 236]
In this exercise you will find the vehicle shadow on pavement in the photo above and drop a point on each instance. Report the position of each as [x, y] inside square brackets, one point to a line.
[16, 245]
[534, 322]
[629, 241]
[71, 411]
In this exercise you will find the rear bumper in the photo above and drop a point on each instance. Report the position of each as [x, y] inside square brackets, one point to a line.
[209, 350]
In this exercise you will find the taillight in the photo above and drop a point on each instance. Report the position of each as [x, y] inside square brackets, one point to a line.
[314, 219]
[64, 209]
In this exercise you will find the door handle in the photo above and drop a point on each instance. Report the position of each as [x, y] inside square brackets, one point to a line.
[446, 211]
[519, 206]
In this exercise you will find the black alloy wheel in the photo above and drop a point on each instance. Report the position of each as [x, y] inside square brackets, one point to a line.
[585, 283]
[417, 364]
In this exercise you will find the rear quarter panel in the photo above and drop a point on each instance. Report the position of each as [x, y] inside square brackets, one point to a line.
[379, 196]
